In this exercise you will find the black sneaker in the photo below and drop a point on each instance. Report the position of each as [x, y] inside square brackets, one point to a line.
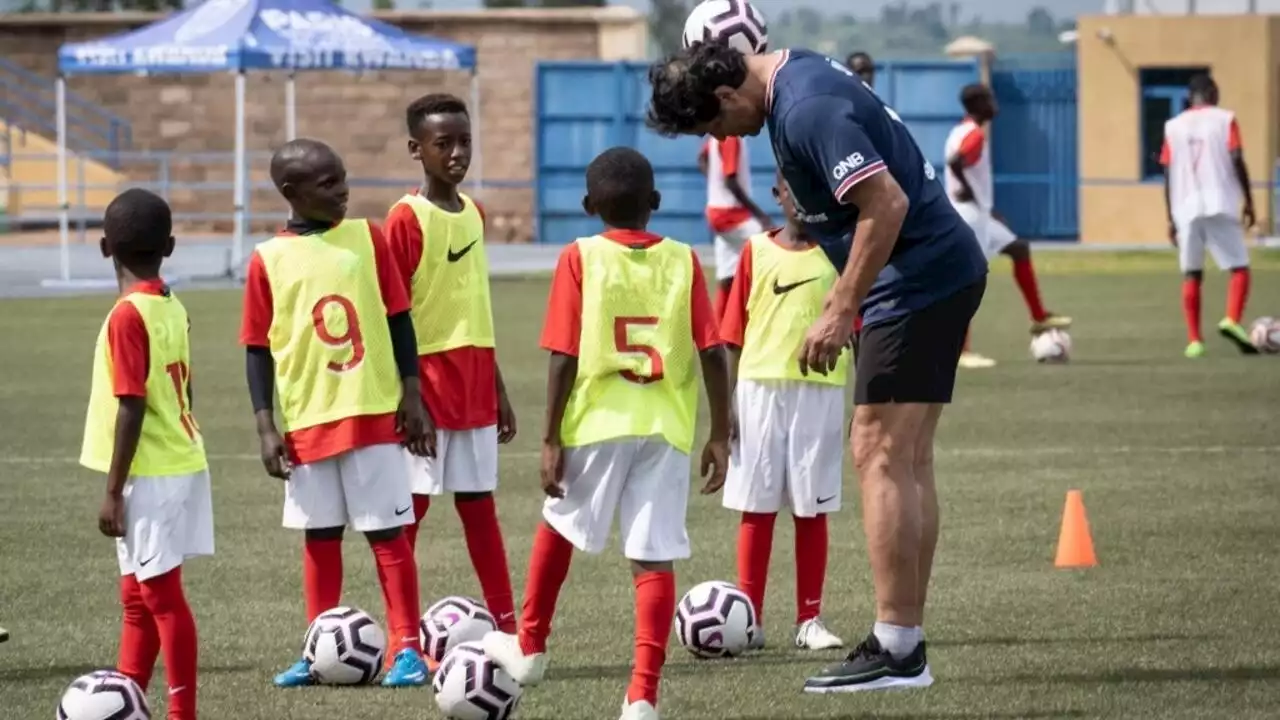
[871, 667]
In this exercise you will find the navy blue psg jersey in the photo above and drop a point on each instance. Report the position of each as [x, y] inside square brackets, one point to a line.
[829, 132]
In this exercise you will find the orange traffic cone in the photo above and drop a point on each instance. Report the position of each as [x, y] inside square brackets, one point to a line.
[1075, 544]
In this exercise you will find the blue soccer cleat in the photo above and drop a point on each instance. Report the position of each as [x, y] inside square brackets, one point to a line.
[408, 670]
[299, 675]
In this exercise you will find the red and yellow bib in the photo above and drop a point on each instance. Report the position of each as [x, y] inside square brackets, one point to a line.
[329, 335]
[636, 361]
[171, 443]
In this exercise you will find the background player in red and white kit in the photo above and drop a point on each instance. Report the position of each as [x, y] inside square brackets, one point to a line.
[1205, 183]
[972, 192]
[731, 212]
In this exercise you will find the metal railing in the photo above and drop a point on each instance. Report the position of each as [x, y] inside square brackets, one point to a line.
[28, 104]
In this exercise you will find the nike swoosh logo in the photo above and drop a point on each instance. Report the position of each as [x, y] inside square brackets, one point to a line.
[784, 289]
[144, 563]
[401, 511]
[415, 676]
[455, 256]
[175, 691]
[827, 499]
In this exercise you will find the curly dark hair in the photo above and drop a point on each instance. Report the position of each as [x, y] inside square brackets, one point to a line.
[684, 86]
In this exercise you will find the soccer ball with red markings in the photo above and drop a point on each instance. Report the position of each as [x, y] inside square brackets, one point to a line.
[470, 686]
[1265, 335]
[344, 647]
[103, 695]
[451, 622]
[716, 620]
[1051, 346]
[735, 22]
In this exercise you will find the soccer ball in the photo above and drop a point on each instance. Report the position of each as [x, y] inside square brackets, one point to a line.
[452, 621]
[103, 695]
[344, 647]
[1265, 335]
[470, 686]
[735, 22]
[1051, 346]
[716, 619]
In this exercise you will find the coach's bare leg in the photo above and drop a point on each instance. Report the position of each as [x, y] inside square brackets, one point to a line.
[885, 438]
[929, 522]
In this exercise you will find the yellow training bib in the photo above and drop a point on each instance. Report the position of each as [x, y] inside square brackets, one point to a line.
[636, 358]
[451, 304]
[171, 443]
[788, 288]
[329, 334]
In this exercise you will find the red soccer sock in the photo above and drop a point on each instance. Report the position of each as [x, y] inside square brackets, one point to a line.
[321, 575]
[1024, 273]
[489, 557]
[398, 575]
[1191, 307]
[721, 300]
[139, 637]
[655, 611]
[177, 629]
[421, 504]
[755, 545]
[1237, 294]
[548, 568]
[811, 566]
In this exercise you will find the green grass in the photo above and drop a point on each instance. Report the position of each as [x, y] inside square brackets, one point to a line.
[1177, 461]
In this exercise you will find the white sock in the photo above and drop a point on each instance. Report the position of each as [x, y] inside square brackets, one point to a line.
[899, 641]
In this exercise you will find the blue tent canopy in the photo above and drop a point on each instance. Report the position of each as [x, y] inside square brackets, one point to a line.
[238, 35]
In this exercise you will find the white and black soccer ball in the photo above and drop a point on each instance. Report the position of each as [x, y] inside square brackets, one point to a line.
[1051, 346]
[344, 647]
[735, 22]
[452, 621]
[716, 619]
[1265, 335]
[103, 695]
[470, 686]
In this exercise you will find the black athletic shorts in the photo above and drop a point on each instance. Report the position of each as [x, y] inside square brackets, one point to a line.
[913, 358]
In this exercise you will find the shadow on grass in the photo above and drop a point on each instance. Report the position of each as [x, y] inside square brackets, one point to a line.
[1244, 673]
[71, 672]
[1011, 641]
[592, 672]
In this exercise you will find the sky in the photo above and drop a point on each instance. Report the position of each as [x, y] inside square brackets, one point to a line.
[1007, 10]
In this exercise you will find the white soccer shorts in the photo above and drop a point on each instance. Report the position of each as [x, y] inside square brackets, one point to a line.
[366, 489]
[993, 235]
[166, 520]
[644, 481]
[1222, 234]
[790, 449]
[466, 461]
[728, 246]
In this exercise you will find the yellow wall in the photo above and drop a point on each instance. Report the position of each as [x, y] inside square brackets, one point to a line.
[1115, 207]
[33, 164]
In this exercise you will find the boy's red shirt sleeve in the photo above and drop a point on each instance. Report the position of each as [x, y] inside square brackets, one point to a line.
[1164, 153]
[404, 238]
[730, 154]
[563, 326]
[733, 326]
[706, 334]
[130, 348]
[256, 316]
[1233, 136]
[971, 147]
[395, 296]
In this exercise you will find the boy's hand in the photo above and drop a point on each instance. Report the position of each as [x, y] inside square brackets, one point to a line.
[274, 456]
[715, 463]
[111, 516]
[552, 469]
[413, 420]
[506, 420]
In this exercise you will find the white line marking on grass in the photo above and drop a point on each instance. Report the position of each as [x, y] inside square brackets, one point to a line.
[991, 452]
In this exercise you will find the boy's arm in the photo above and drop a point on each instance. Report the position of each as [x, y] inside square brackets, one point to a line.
[733, 326]
[715, 367]
[966, 155]
[130, 347]
[404, 239]
[412, 416]
[730, 155]
[1165, 158]
[260, 367]
[1242, 172]
[560, 336]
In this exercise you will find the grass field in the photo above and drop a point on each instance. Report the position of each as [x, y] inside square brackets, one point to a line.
[1177, 460]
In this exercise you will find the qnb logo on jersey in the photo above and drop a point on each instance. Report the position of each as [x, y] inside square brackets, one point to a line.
[812, 217]
[847, 165]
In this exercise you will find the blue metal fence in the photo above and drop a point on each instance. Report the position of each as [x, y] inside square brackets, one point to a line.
[1034, 145]
[584, 108]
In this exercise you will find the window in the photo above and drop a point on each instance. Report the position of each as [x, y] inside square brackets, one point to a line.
[1164, 94]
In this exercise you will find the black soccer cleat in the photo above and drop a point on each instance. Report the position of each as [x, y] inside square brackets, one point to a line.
[871, 667]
